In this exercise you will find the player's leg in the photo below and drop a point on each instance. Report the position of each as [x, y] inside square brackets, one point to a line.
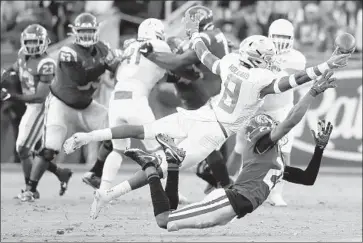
[54, 134]
[94, 117]
[29, 129]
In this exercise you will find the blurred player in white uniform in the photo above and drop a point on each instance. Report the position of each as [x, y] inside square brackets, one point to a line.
[136, 76]
[288, 61]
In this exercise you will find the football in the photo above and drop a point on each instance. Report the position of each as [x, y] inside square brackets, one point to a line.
[345, 43]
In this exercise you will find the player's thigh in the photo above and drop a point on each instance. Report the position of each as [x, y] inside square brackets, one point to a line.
[94, 117]
[203, 138]
[30, 127]
[173, 125]
[215, 209]
[57, 119]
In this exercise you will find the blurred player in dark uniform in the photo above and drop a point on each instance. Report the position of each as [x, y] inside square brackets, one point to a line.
[33, 72]
[195, 90]
[70, 103]
[262, 170]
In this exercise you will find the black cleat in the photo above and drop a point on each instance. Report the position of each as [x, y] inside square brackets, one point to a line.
[92, 180]
[143, 158]
[172, 152]
[64, 176]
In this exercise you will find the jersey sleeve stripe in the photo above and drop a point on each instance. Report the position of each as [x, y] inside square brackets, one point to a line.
[205, 53]
[206, 37]
[216, 68]
[292, 81]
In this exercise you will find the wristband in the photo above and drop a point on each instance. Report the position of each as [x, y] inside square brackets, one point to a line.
[323, 67]
[276, 87]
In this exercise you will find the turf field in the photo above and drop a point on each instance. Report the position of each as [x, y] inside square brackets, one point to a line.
[331, 210]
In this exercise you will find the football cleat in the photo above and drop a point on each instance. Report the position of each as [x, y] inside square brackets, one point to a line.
[28, 196]
[172, 152]
[100, 198]
[64, 176]
[92, 180]
[143, 158]
[36, 195]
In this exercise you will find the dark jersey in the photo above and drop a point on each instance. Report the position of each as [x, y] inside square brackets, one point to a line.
[195, 93]
[78, 72]
[262, 168]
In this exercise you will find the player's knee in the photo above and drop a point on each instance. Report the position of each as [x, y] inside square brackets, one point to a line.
[48, 154]
[23, 152]
[162, 220]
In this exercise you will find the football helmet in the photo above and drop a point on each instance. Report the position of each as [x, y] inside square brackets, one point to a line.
[151, 29]
[206, 20]
[85, 29]
[34, 40]
[281, 32]
[257, 51]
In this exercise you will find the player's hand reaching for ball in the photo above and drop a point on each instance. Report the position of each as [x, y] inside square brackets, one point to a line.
[325, 82]
[321, 137]
[76, 141]
[191, 24]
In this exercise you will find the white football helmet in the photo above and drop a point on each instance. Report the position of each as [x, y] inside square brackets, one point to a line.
[151, 29]
[281, 32]
[257, 51]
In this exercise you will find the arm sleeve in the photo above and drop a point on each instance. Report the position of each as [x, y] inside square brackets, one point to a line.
[307, 176]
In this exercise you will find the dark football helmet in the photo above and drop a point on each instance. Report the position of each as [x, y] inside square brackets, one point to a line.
[34, 40]
[206, 21]
[86, 30]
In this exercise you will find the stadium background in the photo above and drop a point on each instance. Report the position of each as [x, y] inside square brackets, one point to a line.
[316, 25]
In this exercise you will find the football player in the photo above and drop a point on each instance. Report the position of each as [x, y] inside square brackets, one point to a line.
[36, 71]
[246, 80]
[289, 60]
[196, 93]
[70, 103]
[136, 77]
[263, 169]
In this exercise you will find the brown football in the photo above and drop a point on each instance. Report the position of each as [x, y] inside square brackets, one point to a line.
[345, 43]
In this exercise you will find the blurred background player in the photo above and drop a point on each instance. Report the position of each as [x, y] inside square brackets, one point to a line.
[136, 77]
[70, 103]
[288, 61]
[263, 169]
[36, 71]
[195, 93]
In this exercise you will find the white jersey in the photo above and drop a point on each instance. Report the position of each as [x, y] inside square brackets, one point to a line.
[138, 74]
[239, 98]
[291, 61]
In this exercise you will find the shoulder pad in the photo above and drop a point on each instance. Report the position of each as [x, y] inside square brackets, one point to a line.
[67, 54]
[46, 66]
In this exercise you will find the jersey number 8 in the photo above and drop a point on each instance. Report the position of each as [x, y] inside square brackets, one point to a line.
[230, 97]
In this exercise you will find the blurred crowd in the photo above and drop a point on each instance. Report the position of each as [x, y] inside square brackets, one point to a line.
[316, 22]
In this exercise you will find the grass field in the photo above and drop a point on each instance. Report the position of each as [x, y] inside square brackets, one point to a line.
[331, 210]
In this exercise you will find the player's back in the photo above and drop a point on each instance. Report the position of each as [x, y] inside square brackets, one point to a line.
[291, 61]
[137, 73]
[260, 169]
[239, 98]
[31, 68]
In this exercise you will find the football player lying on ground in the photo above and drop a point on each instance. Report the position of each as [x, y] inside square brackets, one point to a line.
[262, 170]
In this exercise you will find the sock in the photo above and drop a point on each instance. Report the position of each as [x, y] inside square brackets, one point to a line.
[27, 180]
[119, 190]
[32, 186]
[110, 170]
[53, 168]
[219, 169]
[172, 186]
[159, 198]
[105, 149]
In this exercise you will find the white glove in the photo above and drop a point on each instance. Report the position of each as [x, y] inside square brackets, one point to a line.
[76, 141]
[4, 94]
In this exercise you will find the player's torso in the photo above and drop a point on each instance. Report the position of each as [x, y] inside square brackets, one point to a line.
[137, 73]
[30, 69]
[91, 63]
[292, 60]
[239, 98]
[259, 174]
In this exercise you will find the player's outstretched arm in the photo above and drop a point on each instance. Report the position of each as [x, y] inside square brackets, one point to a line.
[308, 176]
[171, 61]
[299, 110]
[285, 83]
